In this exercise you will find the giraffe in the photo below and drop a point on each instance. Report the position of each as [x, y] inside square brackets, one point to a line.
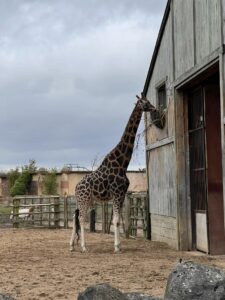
[109, 181]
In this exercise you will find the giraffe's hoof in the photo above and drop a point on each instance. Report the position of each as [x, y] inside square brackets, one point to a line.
[84, 250]
[117, 249]
[72, 249]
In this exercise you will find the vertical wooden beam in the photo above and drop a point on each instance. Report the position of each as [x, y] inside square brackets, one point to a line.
[222, 95]
[56, 205]
[103, 218]
[16, 204]
[66, 211]
[92, 220]
[182, 205]
[194, 32]
[148, 213]
[222, 110]
[40, 209]
[187, 172]
[127, 216]
[49, 213]
[32, 202]
[173, 41]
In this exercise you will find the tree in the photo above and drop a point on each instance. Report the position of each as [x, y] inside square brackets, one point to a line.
[12, 176]
[22, 182]
[50, 182]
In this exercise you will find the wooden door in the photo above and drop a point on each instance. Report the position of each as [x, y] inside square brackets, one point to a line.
[198, 171]
[205, 154]
[214, 169]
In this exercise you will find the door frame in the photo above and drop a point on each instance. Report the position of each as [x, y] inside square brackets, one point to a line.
[184, 224]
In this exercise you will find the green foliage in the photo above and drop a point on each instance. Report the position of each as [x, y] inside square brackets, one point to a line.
[50, 183]
[22, 183]
[12, 176]
[31, 167]
[5, 210]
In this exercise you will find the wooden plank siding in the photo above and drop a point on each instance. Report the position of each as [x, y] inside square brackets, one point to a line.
[162, 187]
[207, 27]
[162, 67]
[184, 36]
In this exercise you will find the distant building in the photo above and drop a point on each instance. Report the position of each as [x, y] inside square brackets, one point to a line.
[67, 181]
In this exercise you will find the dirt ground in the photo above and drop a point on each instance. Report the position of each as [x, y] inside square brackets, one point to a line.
[37, 264]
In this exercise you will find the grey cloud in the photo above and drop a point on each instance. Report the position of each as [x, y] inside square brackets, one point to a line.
[70, 71]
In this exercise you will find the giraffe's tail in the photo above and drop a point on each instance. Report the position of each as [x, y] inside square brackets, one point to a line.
[77, 224]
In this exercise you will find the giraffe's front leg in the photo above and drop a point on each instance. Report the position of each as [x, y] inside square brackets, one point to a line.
[116, 217]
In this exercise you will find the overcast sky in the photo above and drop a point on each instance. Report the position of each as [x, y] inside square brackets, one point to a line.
[69, 73]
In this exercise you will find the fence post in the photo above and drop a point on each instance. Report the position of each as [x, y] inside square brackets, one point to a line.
[148, 219]
[56, 213]
[127, 215]
[66, 212]
[16, 203]
[92, 220]
[40, 209]
[103, 217]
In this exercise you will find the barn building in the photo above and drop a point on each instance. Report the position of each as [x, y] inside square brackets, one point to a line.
[186, 159]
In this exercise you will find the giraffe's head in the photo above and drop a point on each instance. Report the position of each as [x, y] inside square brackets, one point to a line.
[145, 104]
[157, 116]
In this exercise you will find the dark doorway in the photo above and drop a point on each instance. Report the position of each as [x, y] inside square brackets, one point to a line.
[205, 154]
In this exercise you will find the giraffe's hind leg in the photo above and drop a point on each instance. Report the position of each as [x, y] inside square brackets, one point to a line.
[82, 239]
[76, 229]
[117, 205]
[116, 216]
[73, 235]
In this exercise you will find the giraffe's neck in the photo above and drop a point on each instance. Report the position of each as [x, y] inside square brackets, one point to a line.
[123, 151]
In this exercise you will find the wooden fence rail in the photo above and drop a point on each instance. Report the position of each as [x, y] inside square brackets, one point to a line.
[46, 211]
[57, 212]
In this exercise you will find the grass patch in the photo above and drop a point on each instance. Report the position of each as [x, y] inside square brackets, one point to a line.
[5, 210]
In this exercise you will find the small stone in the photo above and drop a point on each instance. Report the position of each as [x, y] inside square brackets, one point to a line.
[4, 297]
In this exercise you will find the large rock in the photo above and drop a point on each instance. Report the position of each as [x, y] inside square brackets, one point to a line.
[101, 292]
[193, 281]
[138, 296]
[4, 297]
[106, 292]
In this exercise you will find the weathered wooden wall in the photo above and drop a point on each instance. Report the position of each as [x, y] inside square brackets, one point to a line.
[191, 40]
[197, 32]
[207, 27]
[183, 36]
[162, 186]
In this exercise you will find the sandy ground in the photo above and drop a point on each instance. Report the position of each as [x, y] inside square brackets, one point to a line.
[37, 264]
